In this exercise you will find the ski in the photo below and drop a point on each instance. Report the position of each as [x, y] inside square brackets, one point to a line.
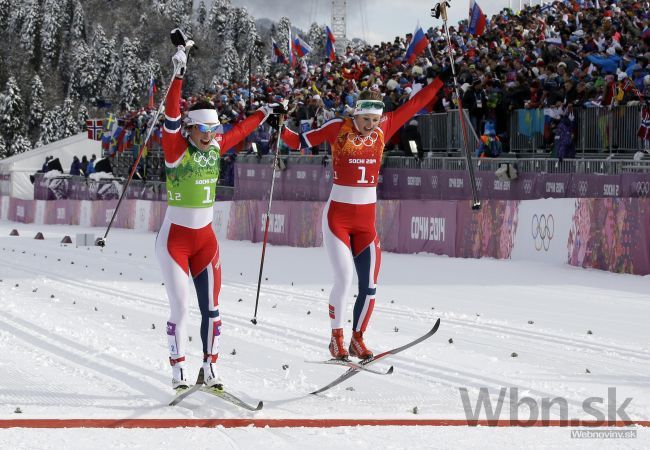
[353, 371]
[187, 392]
[352, 365]
[227, 396]
[224, 395]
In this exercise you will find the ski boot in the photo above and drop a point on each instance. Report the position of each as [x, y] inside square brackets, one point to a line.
[337, 345]
[357, 347]
[179, 374]
[211, 377]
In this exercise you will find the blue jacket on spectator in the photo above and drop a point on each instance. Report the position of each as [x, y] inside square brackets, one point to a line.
[608, 64]
[75, 167]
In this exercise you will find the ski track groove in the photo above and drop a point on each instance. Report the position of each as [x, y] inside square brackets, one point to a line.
[416, 369]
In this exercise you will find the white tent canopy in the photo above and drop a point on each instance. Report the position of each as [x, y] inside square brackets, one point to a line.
[15, 170]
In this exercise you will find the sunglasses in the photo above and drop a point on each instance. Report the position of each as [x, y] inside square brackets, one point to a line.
[370, 104]
[203, 128]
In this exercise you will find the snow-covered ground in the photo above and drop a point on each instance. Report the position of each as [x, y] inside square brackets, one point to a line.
[82, 336]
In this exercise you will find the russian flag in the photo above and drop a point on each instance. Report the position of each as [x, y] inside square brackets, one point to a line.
[417, 45]
[477, 20]
[277, 56]
[300, 47]
[329, 45]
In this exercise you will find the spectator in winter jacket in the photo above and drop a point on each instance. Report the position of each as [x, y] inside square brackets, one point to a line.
[75, 167]
[411, 133]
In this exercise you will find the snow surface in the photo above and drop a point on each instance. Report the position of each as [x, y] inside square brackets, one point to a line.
[82, 336]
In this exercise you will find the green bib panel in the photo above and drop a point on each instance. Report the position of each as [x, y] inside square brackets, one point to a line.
[193, 182]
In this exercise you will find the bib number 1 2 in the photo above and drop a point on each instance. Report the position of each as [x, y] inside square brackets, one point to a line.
[362, 179]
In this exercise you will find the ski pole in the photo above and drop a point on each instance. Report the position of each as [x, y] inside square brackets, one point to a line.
[440, 11]
[268, 214]
[101, 242]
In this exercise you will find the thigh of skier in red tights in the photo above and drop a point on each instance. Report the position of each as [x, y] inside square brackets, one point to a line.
[351, 241]
[184, 252]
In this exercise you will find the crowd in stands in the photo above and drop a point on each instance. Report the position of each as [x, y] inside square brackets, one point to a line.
[561, 57]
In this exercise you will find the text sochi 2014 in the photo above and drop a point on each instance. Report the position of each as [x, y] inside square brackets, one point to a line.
[428, 228]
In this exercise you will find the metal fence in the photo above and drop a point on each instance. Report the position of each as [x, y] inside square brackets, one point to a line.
[442, 132]
[598, 130]
[531, 165]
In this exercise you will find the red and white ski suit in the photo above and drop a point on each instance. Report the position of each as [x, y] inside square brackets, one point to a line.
[349, 233]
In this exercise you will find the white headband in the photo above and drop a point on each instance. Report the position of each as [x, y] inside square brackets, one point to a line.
[202, 116]
[369, 107]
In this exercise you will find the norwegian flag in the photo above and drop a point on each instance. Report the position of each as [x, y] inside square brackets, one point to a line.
[644, 128]
[94, 128]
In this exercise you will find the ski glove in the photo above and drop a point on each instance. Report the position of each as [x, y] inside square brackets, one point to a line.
[179, 60]
[273, 112]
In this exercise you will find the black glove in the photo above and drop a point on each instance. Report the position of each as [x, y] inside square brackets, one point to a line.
[274, 121]
[178, 37]
[278, 108]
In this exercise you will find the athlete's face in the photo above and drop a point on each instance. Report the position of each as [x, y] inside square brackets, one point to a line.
[202, 133]
[366, 123]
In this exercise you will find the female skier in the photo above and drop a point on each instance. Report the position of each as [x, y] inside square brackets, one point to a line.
[349, 233]
[186, 244]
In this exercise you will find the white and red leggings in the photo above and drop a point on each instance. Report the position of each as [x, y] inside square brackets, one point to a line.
[182, 252]
[351, 241]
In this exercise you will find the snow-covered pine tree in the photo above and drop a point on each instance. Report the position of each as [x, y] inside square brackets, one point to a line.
[36, 108]
[51, 31]
[69, 118]
[12, 114]
[104, 57]
[49, 127]
[78, 23]
[17, 14]
[282, 34]
[3, 148]
[5, 11]
[20, 145]
[316, 39]
[85, 75]
[132, 73]
[245, 35]
[30, 32]
[82, 116]
[224, 57]
[201, 15]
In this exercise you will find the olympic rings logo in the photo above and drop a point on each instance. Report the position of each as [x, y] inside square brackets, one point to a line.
[542, 231]
[368, 141]
[643, 188]
[583, 186]
[204, 161]
[479, 184]
[434, 182]
[528, 186]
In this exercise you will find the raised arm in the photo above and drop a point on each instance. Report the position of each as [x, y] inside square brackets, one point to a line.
[173, 142]
[394, 120]
[242, 129]
[327, 132]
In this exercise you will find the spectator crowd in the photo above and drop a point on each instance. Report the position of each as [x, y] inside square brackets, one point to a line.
[560, 58]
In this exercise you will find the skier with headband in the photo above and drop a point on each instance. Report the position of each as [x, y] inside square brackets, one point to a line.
[349, 232]
[186, 244]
